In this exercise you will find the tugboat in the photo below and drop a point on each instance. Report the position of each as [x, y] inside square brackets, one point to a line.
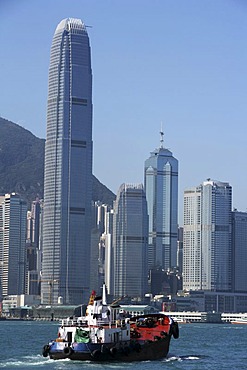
[104, 334]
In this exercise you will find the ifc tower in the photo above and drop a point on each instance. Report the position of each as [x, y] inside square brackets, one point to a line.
[68, 167]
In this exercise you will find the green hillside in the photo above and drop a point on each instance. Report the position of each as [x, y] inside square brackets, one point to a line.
[22, 165]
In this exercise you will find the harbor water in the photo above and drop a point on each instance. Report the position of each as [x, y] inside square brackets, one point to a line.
[200, 346]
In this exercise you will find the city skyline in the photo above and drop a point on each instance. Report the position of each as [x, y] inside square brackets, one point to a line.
[187, 71]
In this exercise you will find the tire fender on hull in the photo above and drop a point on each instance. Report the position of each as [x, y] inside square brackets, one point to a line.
[113, 351]
[46, 350]
[68, 351]
[174, 330]
[96, 354]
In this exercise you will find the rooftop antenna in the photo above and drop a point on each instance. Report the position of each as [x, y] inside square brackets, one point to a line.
[161, 135]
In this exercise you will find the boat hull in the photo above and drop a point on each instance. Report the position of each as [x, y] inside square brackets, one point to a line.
[240, 322]
[126, 352]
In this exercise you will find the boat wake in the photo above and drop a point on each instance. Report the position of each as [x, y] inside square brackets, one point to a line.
[172, 358]
[38, 361]
[25, 362]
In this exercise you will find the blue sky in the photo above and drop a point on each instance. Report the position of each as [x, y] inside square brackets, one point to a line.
[180, 62]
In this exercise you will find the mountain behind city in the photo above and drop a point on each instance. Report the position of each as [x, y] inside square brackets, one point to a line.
[22, 165]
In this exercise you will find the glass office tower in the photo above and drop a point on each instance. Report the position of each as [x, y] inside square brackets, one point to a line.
[68, 167]
[130, 240]
[239, 253]
[161, 187]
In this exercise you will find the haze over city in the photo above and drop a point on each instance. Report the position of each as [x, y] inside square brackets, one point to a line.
[182, 63]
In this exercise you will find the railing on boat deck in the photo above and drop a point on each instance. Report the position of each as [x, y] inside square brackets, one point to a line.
[100, 323]
[73, 322]
[111, 324]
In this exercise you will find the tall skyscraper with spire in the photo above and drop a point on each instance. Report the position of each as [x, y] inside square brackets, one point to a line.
[161, 187]
[68, 167]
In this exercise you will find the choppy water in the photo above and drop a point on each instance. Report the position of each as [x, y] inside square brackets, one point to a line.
[200, 346]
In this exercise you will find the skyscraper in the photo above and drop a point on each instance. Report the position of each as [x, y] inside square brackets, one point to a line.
[33, 247]
[192, 239]
[13, 221]
[239, 273]
[161, 187]
[68, 167]
[207, 237]
[107, 238]
[130, 238]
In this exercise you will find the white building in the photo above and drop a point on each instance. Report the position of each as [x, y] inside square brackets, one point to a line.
[13, 219]
[207, 237]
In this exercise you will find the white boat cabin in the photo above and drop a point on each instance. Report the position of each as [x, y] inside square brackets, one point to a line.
[103, 323]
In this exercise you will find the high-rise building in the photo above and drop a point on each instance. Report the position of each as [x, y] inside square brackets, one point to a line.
[180, 250]
[108, 243]
[33, 248]
[192, 245]
[99, 214]
[35, 217]
[161, 187]
[33, 229]
[101, 246]
[68, 167]
[130, 240]
[13, 220]
[239, 243]
[207, 249]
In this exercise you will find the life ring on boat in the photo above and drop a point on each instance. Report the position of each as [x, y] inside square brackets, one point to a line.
[174, 330]
[68, 351]
[46, 350]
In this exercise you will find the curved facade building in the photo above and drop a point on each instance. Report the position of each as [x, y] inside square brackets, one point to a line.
[161, 187]
[68, 167]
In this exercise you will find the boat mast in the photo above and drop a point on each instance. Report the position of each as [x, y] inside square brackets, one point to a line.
[104, 303]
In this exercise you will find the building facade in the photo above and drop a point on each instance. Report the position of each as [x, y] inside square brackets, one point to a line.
[130, 241]
[68, 167]
[161, 187]
[239, 244]
[33, 247]
[207, 248]
[107, 238]
[192, 249]
[13, 220]
[180, 249]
